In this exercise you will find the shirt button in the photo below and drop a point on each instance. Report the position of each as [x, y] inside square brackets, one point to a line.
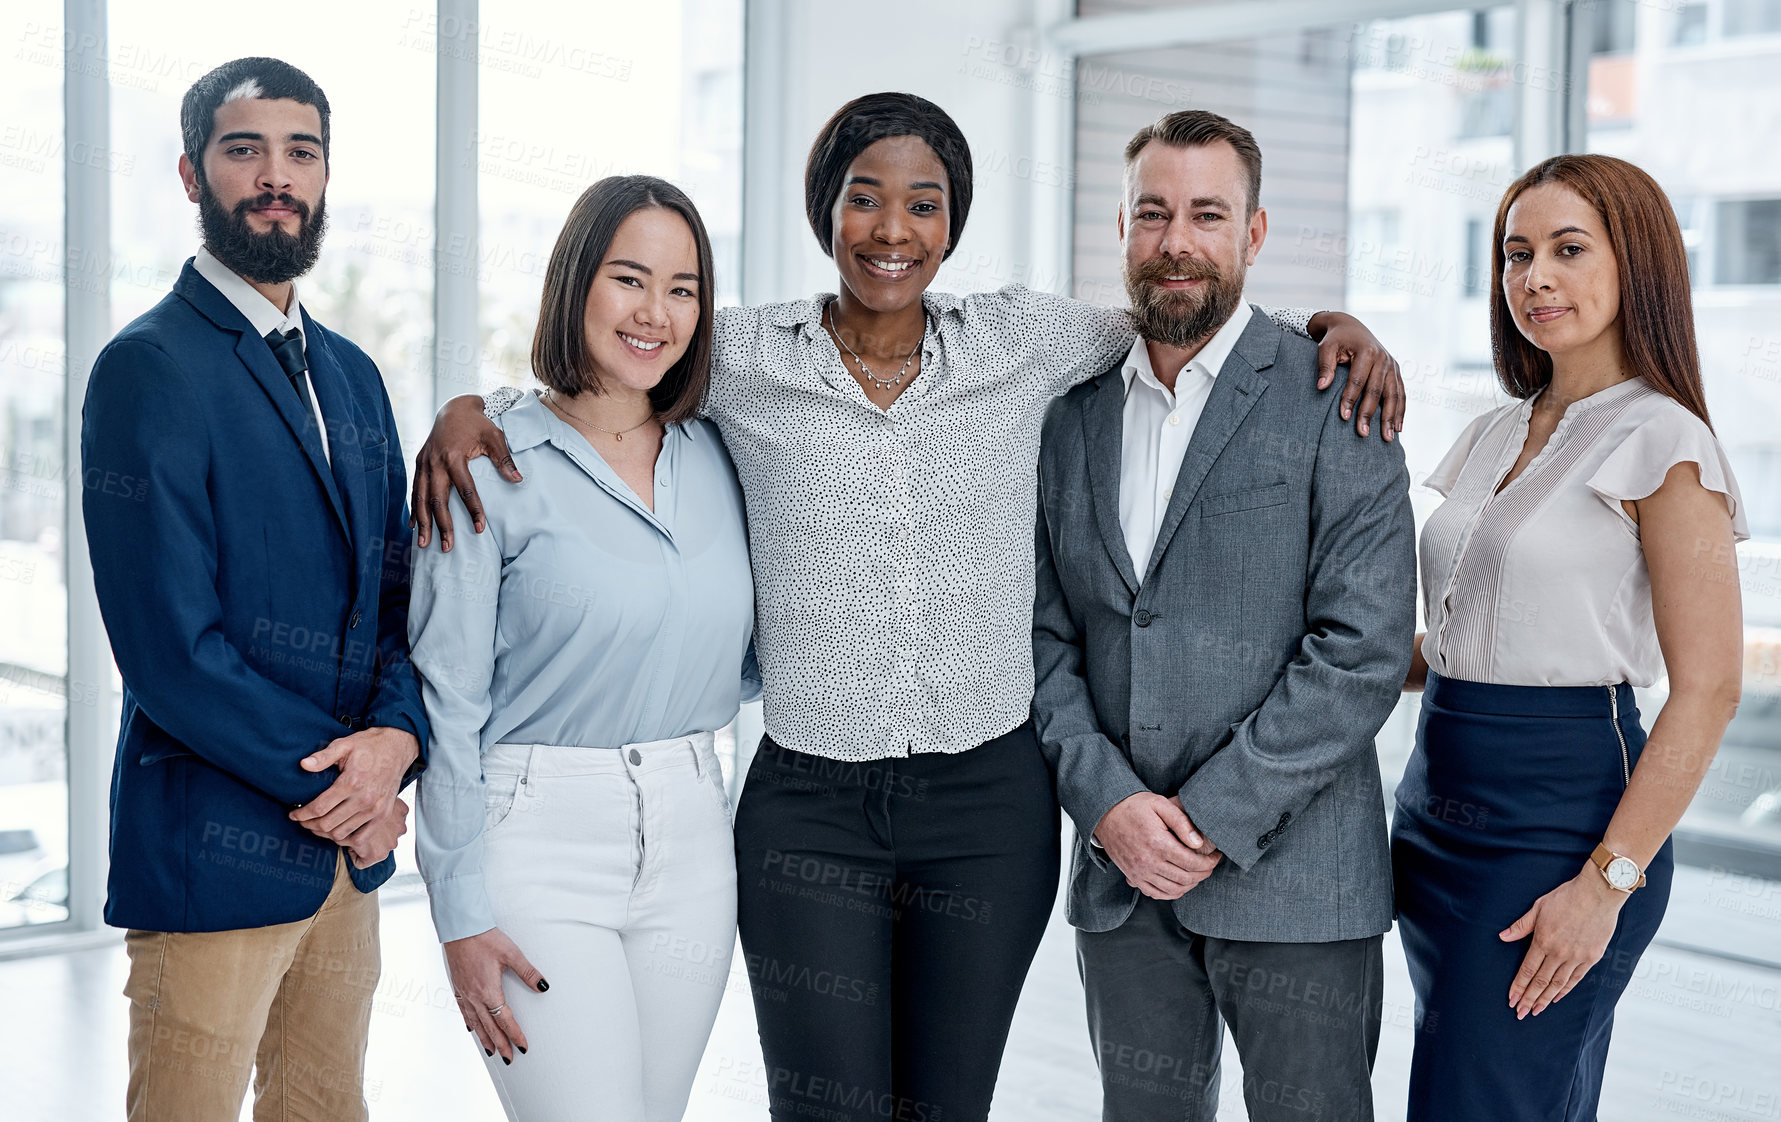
[1141, 618]
[1174, 418]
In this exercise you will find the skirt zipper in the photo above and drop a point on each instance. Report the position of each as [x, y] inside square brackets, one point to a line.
[1626, 771]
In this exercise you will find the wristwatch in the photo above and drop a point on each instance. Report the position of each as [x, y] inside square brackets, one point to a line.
[1621, 873]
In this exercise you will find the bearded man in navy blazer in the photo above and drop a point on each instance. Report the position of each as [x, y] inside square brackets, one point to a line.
[254, 581]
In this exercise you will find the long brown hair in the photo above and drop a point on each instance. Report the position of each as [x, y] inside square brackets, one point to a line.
[1656, 308]
[559, 344]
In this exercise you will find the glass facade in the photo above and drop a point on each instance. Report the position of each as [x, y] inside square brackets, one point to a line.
[34, 473]
[1382, 190]
[573, 93]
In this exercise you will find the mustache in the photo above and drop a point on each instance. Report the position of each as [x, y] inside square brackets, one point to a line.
[268, 198]
[273, 257]
[1158, 269]
[1181, 318]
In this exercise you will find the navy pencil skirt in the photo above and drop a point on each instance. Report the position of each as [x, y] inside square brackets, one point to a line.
[1507, 792]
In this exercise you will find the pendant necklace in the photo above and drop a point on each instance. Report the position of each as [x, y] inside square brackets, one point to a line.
[618, 435]
[866, 371]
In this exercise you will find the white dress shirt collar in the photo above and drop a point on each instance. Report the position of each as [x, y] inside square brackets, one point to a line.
[262, 314]
[1159, 424]
[1209, 358]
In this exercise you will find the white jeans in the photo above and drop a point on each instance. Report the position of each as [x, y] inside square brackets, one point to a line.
[615, 873]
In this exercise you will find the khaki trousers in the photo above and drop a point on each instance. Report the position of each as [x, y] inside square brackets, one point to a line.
[290, 1004]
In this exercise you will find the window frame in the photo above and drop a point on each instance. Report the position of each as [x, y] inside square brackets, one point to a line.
[91, 726]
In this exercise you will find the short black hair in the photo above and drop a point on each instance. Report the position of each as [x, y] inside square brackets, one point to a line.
[268, 78]
[559, 343]
[863, 122]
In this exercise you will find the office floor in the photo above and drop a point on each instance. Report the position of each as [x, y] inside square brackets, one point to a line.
[1698, 1034]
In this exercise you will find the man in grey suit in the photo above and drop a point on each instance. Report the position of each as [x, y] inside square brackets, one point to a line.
[1224, 617]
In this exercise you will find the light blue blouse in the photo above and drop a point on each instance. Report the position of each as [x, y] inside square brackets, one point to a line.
[579, 618]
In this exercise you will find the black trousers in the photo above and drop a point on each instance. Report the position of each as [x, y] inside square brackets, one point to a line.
[888, 912]
[1305, 1017]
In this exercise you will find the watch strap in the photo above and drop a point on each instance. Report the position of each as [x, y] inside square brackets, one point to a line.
[1602, 857]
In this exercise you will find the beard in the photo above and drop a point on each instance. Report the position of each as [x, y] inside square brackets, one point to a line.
[274, 257]
[1175, 318]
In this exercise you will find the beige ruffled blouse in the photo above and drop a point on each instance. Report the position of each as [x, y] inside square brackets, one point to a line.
[1545, 584]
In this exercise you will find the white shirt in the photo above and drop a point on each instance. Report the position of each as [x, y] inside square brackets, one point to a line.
[263, 316]
[1544, 583]
[893, 549]
[1158, 425]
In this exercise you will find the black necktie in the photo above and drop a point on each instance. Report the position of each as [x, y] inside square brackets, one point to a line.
[288, 349]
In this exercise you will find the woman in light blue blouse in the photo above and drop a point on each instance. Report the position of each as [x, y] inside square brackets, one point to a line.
[575, 660]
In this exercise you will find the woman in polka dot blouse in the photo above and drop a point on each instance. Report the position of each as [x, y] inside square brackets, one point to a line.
[897, 837]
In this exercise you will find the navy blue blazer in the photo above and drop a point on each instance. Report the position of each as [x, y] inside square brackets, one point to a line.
[256, 599]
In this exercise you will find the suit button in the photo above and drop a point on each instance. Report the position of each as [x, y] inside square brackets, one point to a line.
[356, 618]
[345, 720]
[1262, 842]
[1141, 618]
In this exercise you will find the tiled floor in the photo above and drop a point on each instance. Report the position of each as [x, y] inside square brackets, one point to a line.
[1699, 1035]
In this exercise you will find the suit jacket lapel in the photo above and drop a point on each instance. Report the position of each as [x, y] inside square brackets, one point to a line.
[345, 430]
[258, 358]
[1234, 393]
[1103, 431]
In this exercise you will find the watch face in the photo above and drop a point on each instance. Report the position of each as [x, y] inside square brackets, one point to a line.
[1623, 874]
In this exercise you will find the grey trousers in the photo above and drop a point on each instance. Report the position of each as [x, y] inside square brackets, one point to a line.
[1305, 1017]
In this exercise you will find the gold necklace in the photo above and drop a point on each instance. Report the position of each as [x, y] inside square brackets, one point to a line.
[618, 435]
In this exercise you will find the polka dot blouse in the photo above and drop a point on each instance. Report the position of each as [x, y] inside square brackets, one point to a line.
[893, 549]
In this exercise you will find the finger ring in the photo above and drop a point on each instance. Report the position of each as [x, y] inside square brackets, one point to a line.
[498, 1010]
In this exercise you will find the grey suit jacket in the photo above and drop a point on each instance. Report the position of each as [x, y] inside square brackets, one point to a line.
[1248, 669]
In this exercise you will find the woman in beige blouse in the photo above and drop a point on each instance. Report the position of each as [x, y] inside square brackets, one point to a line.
[1585, 548]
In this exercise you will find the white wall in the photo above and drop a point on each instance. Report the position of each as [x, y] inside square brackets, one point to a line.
[975, 58]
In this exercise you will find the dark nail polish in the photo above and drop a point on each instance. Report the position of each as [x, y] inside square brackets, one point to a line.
[508, 1060]
[522, 1051]
[488, 1051]
[543, 985]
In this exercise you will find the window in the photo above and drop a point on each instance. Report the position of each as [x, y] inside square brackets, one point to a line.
[1734, 250]
[34, 473]
[1611, 26]
[1475, 283]
[1704, 21]
[373, 283]
[572, 93]
[1747, 249]
[1691, 25]
[1751, 17]
[1376, 271]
